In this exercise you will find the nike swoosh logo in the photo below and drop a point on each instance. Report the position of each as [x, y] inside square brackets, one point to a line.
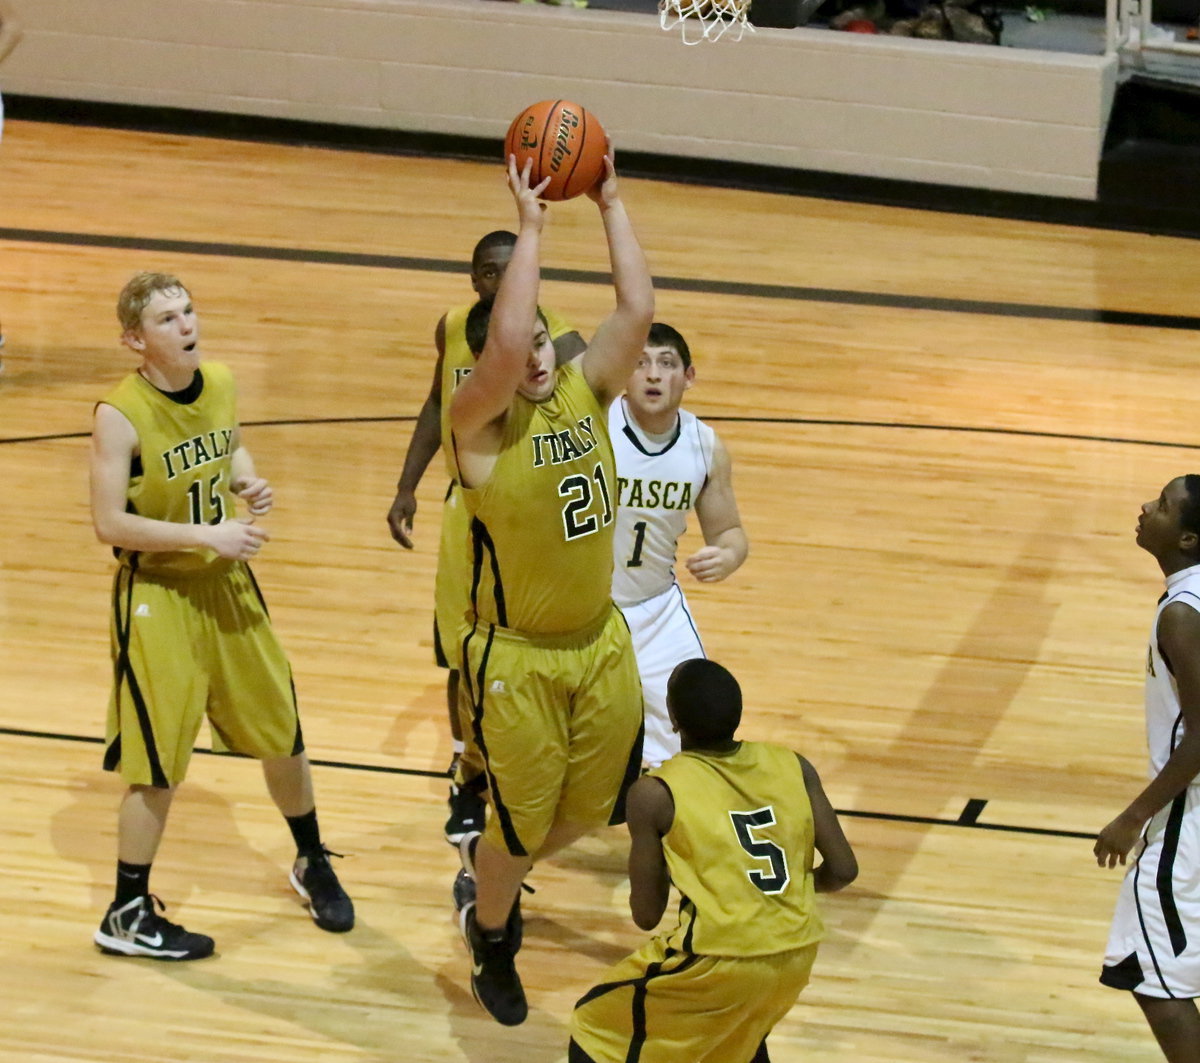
[528, 144]
[153, 942]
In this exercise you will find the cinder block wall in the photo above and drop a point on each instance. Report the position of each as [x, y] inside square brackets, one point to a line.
[968, 115]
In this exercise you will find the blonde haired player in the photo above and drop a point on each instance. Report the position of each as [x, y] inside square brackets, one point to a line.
[190, 633]
[734, 826]
[669, 463]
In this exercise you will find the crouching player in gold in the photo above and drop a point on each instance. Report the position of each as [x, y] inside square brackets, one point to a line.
[734, 825]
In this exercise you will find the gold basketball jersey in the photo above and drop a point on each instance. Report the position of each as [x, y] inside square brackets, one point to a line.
[740, 851]
[542, 525]
[183, 472]
[458, 361]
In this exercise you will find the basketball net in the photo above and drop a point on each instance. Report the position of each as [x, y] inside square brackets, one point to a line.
[715, 18]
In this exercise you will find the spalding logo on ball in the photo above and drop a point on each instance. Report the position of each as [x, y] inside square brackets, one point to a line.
[564, 142]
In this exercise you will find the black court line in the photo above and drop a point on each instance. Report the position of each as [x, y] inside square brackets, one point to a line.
[830, 422]
[793, 293]
[894, 817]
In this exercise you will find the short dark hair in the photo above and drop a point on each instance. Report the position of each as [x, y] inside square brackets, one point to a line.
[663, 335]
[478, 319]
[706, 700]
[1189, 511]
[498, 238]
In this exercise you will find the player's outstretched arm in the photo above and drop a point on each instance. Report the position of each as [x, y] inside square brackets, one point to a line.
[725, 543]
[839, 867]
[114, 443]
[620, 338]
[1179, 637]
[649, 812]
[426, 441]
[485, 395]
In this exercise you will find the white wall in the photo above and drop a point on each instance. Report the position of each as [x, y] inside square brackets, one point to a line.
[969, 115]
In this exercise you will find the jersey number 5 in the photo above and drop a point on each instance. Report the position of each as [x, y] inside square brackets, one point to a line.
[743, 824]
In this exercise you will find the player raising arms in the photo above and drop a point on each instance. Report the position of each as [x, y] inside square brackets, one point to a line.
[455, 360]
[668, 462]
[190, 633]
[551, 676]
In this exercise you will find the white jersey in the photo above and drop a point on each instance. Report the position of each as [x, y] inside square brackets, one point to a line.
[1154, 942]
[1164, 719]
[658, 484]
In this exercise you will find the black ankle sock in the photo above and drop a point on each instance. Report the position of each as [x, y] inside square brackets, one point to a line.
[133, 881]
[306, 832]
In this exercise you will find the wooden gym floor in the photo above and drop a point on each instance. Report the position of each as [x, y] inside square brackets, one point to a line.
[942, 428]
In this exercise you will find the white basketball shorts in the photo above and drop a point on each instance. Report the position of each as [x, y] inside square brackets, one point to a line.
[664, 634]
[1154, 945]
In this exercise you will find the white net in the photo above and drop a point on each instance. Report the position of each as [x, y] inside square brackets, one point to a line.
[705, 20]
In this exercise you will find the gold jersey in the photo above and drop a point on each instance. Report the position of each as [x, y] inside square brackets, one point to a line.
[740, 851]
[183, 471]
[542, 525]
[458, 361]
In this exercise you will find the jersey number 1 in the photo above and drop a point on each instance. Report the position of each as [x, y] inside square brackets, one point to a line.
[776, 881]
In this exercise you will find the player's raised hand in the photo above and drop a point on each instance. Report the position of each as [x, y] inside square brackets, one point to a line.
[530, 209]
[604, 192]
[256, 493]
[237, 540]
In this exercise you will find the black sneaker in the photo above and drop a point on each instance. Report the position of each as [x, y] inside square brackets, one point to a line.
[136, 929]
[463, 892]
[467, 811]
[314, 879]
[464, 889]
[494, 979]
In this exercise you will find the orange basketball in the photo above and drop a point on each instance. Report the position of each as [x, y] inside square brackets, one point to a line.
[565, 143]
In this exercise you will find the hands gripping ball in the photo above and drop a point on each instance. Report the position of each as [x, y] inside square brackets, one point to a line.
[565, 143]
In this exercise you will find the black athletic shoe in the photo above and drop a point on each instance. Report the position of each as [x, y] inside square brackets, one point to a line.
[494, 979]
[136, 929]
[314, 879]
[464, 889]
[463, 892]
[467, 811]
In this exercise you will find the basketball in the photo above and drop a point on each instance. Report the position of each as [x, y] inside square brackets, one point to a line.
[564, 141]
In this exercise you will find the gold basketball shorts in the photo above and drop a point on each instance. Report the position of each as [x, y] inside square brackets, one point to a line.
[558, 720]
[661, 1006]
[187, 648]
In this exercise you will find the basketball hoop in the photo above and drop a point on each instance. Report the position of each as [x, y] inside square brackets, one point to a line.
[715, 18]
